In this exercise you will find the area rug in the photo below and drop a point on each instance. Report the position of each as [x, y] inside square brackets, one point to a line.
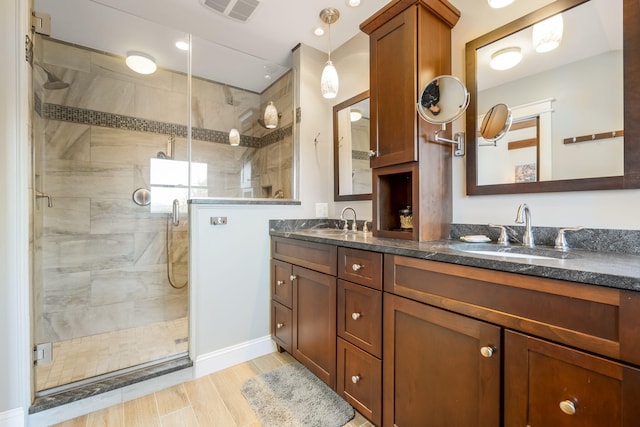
[291, 396]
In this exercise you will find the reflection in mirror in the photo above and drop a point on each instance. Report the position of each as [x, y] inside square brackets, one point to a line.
[496, 123]
[443, 100]
[352, 172]
[572, 96]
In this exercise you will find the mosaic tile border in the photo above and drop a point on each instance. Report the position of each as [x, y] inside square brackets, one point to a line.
[118, 121]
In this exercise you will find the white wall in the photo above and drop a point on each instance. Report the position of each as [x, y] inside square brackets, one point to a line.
[594, 209]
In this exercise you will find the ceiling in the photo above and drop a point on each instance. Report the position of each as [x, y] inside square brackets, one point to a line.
[238, 53]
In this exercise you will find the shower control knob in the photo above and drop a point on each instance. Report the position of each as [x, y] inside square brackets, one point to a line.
[279, 325]
[487, 351]
[355, 316]
[280, 282]
[356, 267]
[355, 379]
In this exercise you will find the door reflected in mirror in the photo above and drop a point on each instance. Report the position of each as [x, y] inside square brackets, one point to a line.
[351, 130]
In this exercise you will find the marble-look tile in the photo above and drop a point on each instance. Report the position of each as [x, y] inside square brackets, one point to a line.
[162, 105]
[150, 248]
[128, 284]
[125, 147]
[66, 291]
[114, 67]
[67, 141]
[64, 55]
[68, 215]
[82, 252]
[82, 179]
[92, 320]
[123, 216]
[158, 310]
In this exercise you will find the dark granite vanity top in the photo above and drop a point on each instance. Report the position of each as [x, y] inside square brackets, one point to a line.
[603, 268]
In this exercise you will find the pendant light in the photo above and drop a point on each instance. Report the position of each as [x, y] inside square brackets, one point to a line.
[234, 137]
[270, 116]
[329, 80]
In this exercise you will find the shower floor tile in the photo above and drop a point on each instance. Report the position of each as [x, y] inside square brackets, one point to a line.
[86, 357]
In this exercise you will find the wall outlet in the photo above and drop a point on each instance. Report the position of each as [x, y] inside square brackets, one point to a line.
[322, 210]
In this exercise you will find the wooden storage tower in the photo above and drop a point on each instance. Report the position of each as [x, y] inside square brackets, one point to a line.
[410, 44]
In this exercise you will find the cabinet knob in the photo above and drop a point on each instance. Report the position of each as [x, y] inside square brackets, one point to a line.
[355, 379]
[372, 153]
[487, 351]
[355, 316]
[356, 267]
[293, 277]
[568, 407]
[279, 325]
[280, 282]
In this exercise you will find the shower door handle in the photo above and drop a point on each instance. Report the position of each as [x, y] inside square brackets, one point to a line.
[175, 217]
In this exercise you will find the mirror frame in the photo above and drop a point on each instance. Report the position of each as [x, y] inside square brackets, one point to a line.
[631, 55]
[336, 160]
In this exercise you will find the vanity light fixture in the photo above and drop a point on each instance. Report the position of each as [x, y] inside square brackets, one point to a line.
[270, 116]
[141, 62]
[506, 58]
[548, 34]
[234, 137]
[329, 80]
[355, 115]
[497, 4]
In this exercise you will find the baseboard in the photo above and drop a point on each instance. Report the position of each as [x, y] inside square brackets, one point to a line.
[230, 356]
[12, 418]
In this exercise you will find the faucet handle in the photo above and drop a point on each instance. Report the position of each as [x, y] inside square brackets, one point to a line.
[561, 241]
[503, 239]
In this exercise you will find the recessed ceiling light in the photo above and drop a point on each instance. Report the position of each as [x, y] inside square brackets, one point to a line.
[506, 58]
[353, 3]
[497, 4]
[548, 34]
[318, 31]
[182, 45]
[141, 62]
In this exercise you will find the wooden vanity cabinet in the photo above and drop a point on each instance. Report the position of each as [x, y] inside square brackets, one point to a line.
[359, 341]
[565, 347]
[409, 45]
[304, 273]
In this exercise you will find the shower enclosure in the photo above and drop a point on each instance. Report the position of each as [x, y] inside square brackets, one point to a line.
[115, 154]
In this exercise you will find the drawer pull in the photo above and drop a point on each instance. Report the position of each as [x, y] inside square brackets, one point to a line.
[355, 316]
[293, 277]
[568, 407]
[356, 267]
[280, 282]
[279, 325]
[487, 351]
[355, 379]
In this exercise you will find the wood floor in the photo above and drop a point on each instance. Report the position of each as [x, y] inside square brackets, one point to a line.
[212, 400]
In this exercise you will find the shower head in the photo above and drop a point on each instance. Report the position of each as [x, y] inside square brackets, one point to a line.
[53, 82]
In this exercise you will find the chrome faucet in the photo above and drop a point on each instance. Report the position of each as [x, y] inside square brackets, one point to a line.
[527, 237]
[354, 227]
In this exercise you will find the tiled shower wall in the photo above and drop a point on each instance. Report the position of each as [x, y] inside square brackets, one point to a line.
[103, 258]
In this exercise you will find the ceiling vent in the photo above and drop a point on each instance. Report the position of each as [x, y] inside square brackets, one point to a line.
[240, 10]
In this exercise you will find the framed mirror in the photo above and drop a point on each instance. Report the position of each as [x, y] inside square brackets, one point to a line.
[351, 169]
[575, 109]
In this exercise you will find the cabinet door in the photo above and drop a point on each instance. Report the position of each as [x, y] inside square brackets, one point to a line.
[394, 90]
[314, 324]
[434, 372]
[548, 384]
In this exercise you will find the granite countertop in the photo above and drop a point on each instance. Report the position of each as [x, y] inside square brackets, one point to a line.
[610, 269]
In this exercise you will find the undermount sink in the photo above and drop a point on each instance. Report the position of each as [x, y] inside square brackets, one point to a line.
[326, 231]
[520, 252]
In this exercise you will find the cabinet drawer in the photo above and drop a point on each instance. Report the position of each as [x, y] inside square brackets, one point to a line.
[316, 256]
[362, 267]
[281, 285]
[281, 325]
[360, 380]
[360, 316]
[551, 385]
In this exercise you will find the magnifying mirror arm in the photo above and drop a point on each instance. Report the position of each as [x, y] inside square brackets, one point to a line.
[458, 140]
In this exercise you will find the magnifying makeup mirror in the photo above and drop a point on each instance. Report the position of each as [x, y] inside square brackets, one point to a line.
[496, 123]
